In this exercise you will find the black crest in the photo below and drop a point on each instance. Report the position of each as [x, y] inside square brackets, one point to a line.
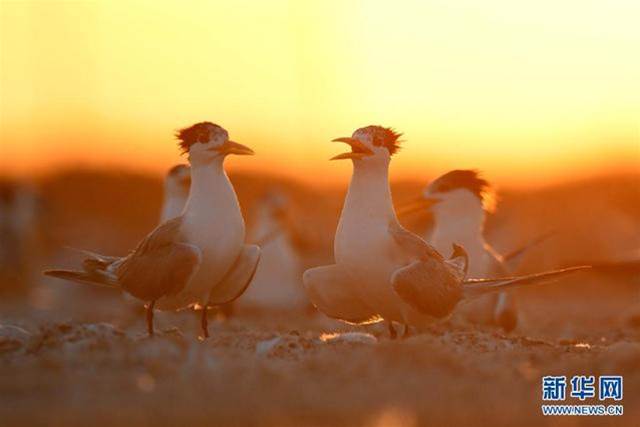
[384, 137]
[200, 132]
[467, 179]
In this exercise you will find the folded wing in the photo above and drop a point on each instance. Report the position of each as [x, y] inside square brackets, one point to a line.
[161, 265]
[330, 290]
[238, 278]
[429, 286]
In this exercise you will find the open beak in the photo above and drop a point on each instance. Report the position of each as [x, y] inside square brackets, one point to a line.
[231, 147]
[421, 204]
[358, 149]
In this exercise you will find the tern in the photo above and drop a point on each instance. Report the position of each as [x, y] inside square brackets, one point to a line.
[176, 191]
[459, 201]
[277, 285]
[21, 208]
[382, 271]
[177, 183]
[198, 259]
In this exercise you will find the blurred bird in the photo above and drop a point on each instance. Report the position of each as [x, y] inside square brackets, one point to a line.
[196, 259]
[277, 284]
[20, 232]
[459, 201]
[176, 192]
[383, 271]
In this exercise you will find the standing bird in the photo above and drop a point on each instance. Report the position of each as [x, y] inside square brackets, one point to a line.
[21, 233]
[176, 192]
[196, 259]
[177, 183]
[277, 285]
[383, 271]
[459, 201]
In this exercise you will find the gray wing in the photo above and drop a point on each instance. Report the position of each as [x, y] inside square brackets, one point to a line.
[429, 286]
[497, 268]
[411, 243]
[161, 265]
[237, 280]
[513, 259]
[330, 290]
[476, 287]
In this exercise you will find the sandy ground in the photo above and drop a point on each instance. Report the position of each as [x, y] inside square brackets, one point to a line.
[305, 370]
[77, 356]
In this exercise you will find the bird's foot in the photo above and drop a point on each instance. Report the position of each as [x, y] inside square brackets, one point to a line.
[149, 308]
[204, 324]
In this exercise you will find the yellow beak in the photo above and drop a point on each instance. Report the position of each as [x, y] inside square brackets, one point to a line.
[358, 149]
[231, 147]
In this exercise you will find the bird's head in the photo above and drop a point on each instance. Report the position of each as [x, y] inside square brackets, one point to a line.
[206, 142]
[370, 144]
[178, 179]
[463, 191]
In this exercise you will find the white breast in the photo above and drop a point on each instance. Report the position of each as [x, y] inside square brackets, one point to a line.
[366, 250]
[220, 242]
[214, 223]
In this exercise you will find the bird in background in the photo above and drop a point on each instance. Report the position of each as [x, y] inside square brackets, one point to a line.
[21, 233]
[176, 192]
[198, 259]
[459, 202]
[277, 284]
[382, 271]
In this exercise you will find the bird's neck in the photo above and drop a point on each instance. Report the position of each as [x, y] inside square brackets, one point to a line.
[265, 225]
[173, 205]
[369, 196]
[211, 191]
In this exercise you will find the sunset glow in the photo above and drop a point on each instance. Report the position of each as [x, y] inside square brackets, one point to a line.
[529, 92]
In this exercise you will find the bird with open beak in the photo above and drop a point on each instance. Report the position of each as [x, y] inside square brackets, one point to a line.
[383, 271]
[196, 259]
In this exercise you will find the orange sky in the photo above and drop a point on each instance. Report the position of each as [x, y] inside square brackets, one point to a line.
[529, 93]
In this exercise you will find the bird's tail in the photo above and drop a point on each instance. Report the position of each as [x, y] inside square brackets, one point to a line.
[473, 288]
[95, 271]
[85, 277]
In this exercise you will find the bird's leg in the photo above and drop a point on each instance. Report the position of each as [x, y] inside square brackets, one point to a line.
[150, 317]
[204, 322]
[406, 332]
[392, 331]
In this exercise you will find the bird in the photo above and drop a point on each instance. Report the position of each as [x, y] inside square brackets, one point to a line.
[382, 271]
[198, 259]
[22, 236]
[176, 191]
[459, 202]
[277, 285]
[177, 183]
